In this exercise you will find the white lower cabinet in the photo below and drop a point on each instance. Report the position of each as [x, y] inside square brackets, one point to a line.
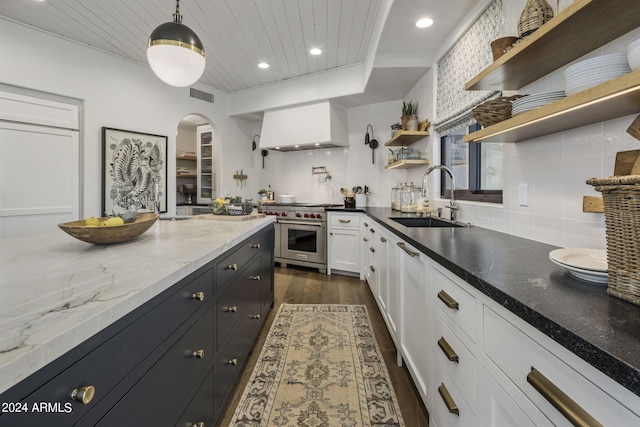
[474, 362]
[343, 248]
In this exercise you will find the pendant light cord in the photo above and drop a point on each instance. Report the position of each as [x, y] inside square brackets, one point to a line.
[177, 17]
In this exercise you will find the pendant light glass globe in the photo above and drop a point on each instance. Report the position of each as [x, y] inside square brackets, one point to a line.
[175, 53]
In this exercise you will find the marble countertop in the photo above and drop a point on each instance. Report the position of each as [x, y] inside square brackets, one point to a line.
[517, 273]
[56, 291]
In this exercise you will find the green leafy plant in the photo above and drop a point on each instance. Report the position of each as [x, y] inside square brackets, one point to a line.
[263, 191]
[409, 108]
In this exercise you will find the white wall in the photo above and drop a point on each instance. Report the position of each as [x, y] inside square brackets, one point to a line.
[120, 94]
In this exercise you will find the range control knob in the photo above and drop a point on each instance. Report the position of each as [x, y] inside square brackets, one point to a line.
[298, 215]
[307, 215]
[283, 214]
[318, 216]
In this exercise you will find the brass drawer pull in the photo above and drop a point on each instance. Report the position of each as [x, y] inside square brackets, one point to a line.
[232, 309]
[199, 296]
[563, 403]
[255, 246]
[198, 354]
[410, 252]
[232, 267]
[448, 300]
[372, 230]
[83, 395]
[366, 225]
[372, 249]
[383, 240]
[365, 239]
[372, 268]
[448, 351]
[346, 221]
[198, 424]
[256, 317]
[448, 400]
[257, 277]
[232, 362]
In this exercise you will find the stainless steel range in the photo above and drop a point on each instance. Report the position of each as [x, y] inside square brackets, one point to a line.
[301, 233]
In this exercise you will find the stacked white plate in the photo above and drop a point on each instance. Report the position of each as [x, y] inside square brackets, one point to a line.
[586, 74]
[586, 264]
[531, 102]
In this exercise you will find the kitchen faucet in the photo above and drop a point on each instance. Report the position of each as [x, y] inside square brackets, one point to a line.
[452, 203]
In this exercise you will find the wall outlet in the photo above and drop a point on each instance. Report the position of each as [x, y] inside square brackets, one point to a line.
[523, 195]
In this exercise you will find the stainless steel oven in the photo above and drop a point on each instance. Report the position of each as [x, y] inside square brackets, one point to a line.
[301, 234]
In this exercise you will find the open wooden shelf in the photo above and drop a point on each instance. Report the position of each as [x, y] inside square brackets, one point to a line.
[406, 164]
[580, 28]
[615, 98]
[186, 158]
[405, 137]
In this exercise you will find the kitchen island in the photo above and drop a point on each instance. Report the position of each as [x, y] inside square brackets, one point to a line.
[59, 295]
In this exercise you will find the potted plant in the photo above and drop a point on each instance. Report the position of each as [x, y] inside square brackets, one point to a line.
[409, 112]
[263, 194]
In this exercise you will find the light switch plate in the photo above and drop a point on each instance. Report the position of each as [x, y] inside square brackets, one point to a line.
[524, 194]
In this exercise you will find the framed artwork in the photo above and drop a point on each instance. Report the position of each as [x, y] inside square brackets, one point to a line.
[134, 171]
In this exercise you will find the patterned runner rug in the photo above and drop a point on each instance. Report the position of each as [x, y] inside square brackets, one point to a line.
[320, 367]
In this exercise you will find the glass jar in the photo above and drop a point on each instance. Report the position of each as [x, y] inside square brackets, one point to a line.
[394, 129]
[410, 197]
[397, 196]
[412, 124]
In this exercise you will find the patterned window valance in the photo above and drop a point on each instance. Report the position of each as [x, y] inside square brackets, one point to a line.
[467, 58]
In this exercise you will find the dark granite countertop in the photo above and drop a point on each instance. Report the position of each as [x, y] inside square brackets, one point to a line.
[517, 273]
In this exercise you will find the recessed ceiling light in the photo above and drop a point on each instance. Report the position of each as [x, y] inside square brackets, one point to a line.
[263, 65]
[315, 51]
[424, 23]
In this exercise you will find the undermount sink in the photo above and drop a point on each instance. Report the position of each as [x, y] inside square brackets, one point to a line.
[425, 222]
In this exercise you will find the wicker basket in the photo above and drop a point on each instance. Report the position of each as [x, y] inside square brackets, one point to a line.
[494, 111]
[534, 15]
[500, 46]
[621, 195]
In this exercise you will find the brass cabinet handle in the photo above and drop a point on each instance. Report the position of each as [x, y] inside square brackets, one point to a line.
[256, 317]
[198, 354]
[232, 309]
[256, 246]
[448, 300]
[346, 221]
[198, 424]
[232, 267]
[383, 240]
[372, 268]
[366, 225]
[199, 296]
[448, 400]
[84, 394]
[365, 239]
[256, 277]
[372, 249]
[410, 252]
[372, 230]
[448, 351]
[232, 362]
[563, 403]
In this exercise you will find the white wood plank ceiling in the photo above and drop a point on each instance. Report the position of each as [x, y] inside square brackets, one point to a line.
[238, 34]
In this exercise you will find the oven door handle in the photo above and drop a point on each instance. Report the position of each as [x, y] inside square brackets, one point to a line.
[313, 224]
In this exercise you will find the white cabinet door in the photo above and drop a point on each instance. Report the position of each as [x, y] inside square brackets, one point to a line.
[39, 178]
[206, 180]
[415, 339]
[393, 291]
[343, 246]
[499, 409]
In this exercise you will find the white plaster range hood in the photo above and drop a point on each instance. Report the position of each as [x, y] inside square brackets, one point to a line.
[312, 126]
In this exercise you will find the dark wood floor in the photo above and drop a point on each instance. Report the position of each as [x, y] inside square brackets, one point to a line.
[298, 285]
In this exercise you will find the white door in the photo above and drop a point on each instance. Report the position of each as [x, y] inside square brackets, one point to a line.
[39, 164]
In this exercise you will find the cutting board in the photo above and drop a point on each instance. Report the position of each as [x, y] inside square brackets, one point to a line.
[252, 215]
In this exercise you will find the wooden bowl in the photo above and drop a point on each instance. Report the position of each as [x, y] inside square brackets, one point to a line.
[103, 235]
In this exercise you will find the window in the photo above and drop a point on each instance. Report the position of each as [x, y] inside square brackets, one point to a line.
[477, 168]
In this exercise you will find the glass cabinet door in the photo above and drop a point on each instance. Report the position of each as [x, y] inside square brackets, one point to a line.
[206, 173]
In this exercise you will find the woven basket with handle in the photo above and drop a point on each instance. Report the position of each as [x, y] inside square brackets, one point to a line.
[621, 196]
[494, 111]
[534, 15]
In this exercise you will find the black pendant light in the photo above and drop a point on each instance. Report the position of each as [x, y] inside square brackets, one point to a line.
[175, 53]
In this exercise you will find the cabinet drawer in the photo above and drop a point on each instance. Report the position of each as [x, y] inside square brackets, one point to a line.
[107, 365]
[200, 409]
[160, 396]
[456, 360]
[523, 357]
[233, 305]
[442, 385]
[344, 220]
[458, 305]
[228, 267]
